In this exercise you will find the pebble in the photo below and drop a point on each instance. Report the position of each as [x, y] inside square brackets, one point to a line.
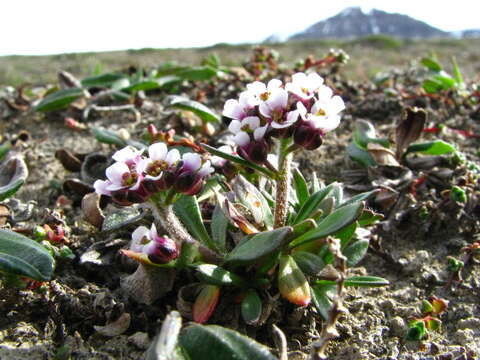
[140, 340]
[463, 337]
[398, 326]
[469, 323]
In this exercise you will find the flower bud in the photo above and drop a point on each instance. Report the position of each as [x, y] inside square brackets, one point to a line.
[162, 251]
[307, 136]
[255, 151]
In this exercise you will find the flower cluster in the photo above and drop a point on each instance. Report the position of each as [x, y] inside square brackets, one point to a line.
[133, 178]
[158, 249]
[304, 108]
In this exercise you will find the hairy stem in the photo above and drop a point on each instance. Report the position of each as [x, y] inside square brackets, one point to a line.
[283, 183]
[165, 216]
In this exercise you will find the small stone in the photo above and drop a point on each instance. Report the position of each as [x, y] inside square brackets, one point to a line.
[398, 326]
[463, 337]
[140, 340]
[469, 323]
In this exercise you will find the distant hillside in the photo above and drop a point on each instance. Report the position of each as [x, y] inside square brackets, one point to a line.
[353, 22]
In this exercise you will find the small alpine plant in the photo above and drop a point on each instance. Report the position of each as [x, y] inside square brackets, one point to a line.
[242, 217]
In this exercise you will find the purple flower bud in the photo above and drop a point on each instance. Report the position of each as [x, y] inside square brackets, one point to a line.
[255, 151]
[159, 249]
[307, 136]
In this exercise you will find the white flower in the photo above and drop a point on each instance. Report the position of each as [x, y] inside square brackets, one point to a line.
[128, 155]
[261, 92]
[243, 129]
[192, 162]
[275, 110]
[159, 159]
[304, 86]
[239, 109]
[324, 114]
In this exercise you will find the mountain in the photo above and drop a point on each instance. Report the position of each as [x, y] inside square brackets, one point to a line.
[353, 22]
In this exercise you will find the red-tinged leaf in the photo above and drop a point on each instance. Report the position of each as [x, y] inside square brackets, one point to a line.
[140, 257]
[292, 283]
[205, 303]
[439, 305]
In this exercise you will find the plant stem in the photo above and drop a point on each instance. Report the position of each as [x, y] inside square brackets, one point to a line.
[283, 183]
[165, 216]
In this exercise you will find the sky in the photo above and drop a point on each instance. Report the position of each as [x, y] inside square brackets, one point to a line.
[38, 27]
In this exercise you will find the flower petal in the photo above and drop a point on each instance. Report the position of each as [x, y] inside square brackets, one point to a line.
[232, 109]
[253, 122]
[324, 93]
[256, 88]
[191, 161]
[278, 99]
[274, 84]
[157, 151]
[126, 154]
[100, 187]
[242, 138]
[235, 126]
[259, 133]
[137, 237]
[173, 157]
[206, 169]
[115, 172]
[265, 110]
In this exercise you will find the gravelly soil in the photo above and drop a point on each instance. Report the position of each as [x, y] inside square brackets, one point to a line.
[409, 252]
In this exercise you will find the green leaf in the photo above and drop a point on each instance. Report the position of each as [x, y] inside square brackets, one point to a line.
[215, 342]
[300, 186]
[239, 160]
[457, 75]
[437, 147]
[120, 218]
[355, 252]
[164, 345]
[337, 193]
[251, 307]
[321, 299]
[416, 331]
[360, 155]
[292, 283]
[249, 196]
[4, 149]
[104, 80]
[22, 256]
[218, 228]
[13, 174]
[199, 73]
[365, 133]
[360, 197]
[183, 103]
[215, 275]
[187, 209]
[368, 218]
[108, 137]
[431, 86]
[259, 245]
[315, 183]
[313, 203]
[445, 80]
[431, 64]
[59, 99]
[309, 263]
[366, 281]
[334, 222]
